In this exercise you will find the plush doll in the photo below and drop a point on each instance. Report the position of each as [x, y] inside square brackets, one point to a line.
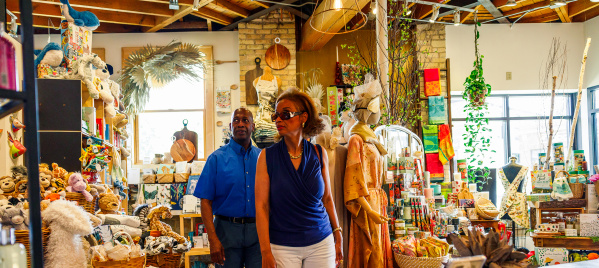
[96, 189]
[101, 82]
[115, 89]
[19, 173]
[80, 18]
[108, 203]
[16, 147]
[142, 212]
[77, 184]
[7, 185]
[14, 217]
[69, 223]
[45, 178]
[163, 212]
[58, 172]
[83, 69]
[52, 55]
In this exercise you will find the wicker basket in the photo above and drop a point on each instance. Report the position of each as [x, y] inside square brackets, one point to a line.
[165, 178]
[418, 262]
[22, 236]
[171, 260]
[139, 262]
[181, 177]
[486, 213]
[80, 199]
[577, 188]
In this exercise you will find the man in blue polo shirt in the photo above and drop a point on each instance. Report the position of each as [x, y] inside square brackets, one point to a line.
[226, 188]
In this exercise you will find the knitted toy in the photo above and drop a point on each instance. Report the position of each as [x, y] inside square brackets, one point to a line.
[108, 203]
[80, 18]
[68, 223]
[163, 212]
[83, 69]
[52, 55]
[77, 184]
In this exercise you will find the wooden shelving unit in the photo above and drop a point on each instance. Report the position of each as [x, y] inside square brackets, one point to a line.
[575, 242]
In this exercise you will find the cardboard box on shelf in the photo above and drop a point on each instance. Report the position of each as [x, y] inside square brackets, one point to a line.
[75, 42]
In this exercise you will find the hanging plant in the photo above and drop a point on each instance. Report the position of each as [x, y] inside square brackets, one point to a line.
[478, 134]
[158, 65]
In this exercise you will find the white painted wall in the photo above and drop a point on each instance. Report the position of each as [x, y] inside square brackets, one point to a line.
[591, 29]
[225, 48]
[519, 50]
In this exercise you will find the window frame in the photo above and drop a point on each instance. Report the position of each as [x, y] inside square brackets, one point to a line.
[507, 118]
[594, 154]
[208, 112]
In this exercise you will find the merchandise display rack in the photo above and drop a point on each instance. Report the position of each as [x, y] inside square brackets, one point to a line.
[27, 100]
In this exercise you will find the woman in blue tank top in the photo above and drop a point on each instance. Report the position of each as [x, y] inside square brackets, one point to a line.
[295, 214]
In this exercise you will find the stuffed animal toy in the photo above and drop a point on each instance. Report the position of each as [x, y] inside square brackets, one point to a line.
[80, 18]
[16, 124]
[94, 220]
[14, 217]
[108, 203]
[142, 212]
[45, 178]
[120, 188]
[96, 189]
[163, 212]
[101, 82]
[58, 172]
[68, 223]
[115, 89]
[52, 55]
[21, 187]
[77, 184]
[7, 185]
[83, 69]
[19, 173]
[57, 186]
[16, 147]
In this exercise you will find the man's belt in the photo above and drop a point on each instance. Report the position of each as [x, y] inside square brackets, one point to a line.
[236, 220]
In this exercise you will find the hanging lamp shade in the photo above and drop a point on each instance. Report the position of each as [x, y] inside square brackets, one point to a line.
[338, 16]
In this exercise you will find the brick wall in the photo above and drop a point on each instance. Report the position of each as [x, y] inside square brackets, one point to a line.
[431, 43]
[257, 36]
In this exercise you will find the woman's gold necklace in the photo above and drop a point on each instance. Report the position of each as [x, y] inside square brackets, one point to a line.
[296, 157]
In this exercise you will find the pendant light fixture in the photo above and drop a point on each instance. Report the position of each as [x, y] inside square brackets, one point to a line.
[557, 3]
[406, 9]
[338, 16]
[456, 17]
[595, 1]
[511, 3]
[373, 7]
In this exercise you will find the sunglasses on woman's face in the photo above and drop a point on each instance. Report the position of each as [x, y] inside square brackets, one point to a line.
[286, 115]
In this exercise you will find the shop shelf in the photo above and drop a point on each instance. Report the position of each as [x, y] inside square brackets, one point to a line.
[11, 94]
[10, 107]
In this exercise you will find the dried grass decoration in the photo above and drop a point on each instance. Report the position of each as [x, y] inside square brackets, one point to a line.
[159, 65]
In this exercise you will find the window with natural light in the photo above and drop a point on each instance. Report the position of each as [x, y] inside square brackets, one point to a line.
[164, 114]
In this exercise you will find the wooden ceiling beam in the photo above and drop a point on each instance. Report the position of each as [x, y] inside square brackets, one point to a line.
[212, 15]
[262, 4]
[187, 25]
[298, 13]
[581, 6]
[314, 40]
[240, 11]
[540, 19]
[53, 11]
[153, 9]
[179, 14]
[489, 6]
[526, 8]
[589, 14]
[256, 14]
[562, 13]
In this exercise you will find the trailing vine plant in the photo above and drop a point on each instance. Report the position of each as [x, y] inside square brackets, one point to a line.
[477, 137]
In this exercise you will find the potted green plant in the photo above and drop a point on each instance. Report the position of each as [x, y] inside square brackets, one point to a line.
[477, 139]
[475, 88]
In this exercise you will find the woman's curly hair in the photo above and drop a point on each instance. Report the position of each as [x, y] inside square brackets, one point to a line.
[314, 125]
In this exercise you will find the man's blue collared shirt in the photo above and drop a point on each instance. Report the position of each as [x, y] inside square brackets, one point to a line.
[228, 180]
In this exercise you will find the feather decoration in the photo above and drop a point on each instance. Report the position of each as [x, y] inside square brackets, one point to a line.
[162, 65]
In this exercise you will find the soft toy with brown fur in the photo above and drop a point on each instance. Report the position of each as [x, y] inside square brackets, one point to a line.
[108, 203]
[45, 177]
[7, 185]
[163, 212]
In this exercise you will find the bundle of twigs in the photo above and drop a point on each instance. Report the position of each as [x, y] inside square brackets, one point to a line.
[497, 250]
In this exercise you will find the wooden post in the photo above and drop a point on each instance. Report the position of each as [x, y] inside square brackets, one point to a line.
[550, 139]
[575, 119]
[382, 39]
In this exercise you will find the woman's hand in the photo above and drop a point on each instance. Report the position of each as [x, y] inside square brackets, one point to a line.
[338, 249]
[376, 217]
[268, 260]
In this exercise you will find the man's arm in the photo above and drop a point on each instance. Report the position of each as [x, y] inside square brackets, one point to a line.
[217, 252]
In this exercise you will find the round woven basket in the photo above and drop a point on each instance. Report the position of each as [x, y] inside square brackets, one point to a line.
[577, 188]
[139, 262]
[22, 236]
[418, 262]
[80, 199]
[486, 213]
[171, 260]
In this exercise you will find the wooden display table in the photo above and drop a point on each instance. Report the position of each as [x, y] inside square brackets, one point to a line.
[574, 242]
[182, 218]
[486, 224]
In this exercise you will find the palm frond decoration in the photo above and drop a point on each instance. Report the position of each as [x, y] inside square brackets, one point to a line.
[162, 65]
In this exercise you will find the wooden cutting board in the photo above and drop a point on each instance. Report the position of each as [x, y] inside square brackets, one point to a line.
[277, 57]
[189, 135]
[183, 150]
[251, 96]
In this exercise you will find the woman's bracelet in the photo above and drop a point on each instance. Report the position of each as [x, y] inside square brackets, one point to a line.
[338, 229]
